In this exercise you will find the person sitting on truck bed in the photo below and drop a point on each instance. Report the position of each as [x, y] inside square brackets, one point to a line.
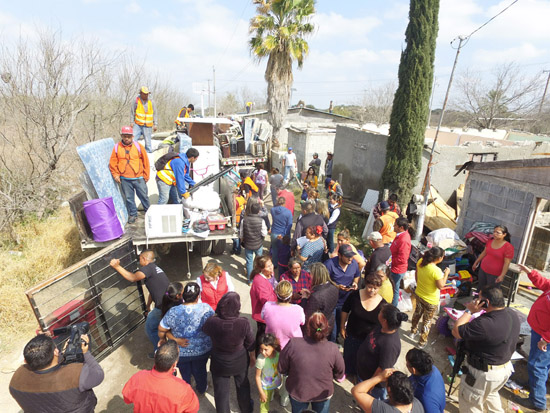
[185, 112]
[176, 172]
[156, 282]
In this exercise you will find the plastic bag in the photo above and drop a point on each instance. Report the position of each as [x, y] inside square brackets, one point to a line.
[405, 303]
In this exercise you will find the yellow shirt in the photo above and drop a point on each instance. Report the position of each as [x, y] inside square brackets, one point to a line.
[426, 287]
[386, 291]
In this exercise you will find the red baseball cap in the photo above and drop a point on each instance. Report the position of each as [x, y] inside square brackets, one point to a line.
[126, 130]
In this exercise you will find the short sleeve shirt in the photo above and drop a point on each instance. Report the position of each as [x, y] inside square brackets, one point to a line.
[283, 320]
[380, 406]
[313, 251]
[339, 276]
[378, 350]
[156, 282]
[290, 159]
[186, 321]
[493, 261]
[270, 377]
[426, 287]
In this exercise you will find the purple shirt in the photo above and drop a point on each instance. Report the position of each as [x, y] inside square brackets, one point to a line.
[283, 320]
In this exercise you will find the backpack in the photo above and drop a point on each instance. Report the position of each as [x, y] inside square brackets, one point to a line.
[161, 162]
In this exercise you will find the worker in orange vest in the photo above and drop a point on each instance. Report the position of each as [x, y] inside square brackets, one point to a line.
[143, 115]
[384, 224]
[184, 112]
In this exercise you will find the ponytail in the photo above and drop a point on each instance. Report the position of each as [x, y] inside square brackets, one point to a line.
[432, 255]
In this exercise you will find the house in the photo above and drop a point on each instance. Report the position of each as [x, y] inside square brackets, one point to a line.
[514, 193]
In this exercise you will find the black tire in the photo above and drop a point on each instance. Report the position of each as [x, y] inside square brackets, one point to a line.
[205, 248]
[218, 246]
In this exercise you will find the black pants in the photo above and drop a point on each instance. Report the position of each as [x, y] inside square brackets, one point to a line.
[221, 392]
[260, 331]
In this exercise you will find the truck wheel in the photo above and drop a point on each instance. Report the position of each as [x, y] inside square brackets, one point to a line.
[205, 248]
[218, 246]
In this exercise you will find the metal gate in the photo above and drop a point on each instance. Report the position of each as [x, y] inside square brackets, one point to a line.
[92, 291]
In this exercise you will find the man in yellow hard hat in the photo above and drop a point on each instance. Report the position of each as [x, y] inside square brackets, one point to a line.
[144, 117]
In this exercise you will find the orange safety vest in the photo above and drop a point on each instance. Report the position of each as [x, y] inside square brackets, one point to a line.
[128, 156]
[182, 115]
[254, 188]
[241, 204]
[387, 231]
[144, 117]
[166, 175]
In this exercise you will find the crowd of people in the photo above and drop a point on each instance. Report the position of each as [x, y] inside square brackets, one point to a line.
[323, 312]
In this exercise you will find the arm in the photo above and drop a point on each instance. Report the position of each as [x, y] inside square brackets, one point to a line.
[155, 119]
[130, 276]
[473, 307]
[378, 224]
[505, 267]
[149, 302]
[288, 225]
[478, 260]
[343, 321]
[264, 228]
[538, 280]
[263, 396]
[91, 374]
[361, 391]
[113, 166]
[441, 282]
[325, 229]
[145, 159]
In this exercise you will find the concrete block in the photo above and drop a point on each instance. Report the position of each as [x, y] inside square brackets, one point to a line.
[484, 186]
[497, 189]
[514, 206]
[516, 195]
[505, 217]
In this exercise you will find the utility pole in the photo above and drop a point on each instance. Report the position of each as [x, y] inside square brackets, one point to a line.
[209, 106]
[432, 101]
[214, 85]
[545, 90]
[427, 179]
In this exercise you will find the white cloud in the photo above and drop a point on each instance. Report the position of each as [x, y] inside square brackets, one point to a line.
[518, 54]
[334, 27]
[133, 8]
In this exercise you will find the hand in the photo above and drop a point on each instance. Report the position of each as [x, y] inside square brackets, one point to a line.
[146, 180]
[279, 237]
[446, 272]
[182, 342]
[353, 287]
[524, 268]
[385, 374]
[269, 231]
[343, 333]
[161, 342]
[117, 179]
[542, 345]
[114, 263]
[474, 306]
[155, 128]
[476, 264]
[263, 396]
[499, 279]
[305, 293]
[186, 195]
[85, 343]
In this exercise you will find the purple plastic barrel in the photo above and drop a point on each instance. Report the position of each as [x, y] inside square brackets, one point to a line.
[101, 215]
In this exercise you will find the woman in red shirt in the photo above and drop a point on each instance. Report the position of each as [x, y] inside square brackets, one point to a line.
[261, 291]
[495, 258]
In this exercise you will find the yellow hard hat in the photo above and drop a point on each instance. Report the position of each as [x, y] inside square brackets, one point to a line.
[144, 89]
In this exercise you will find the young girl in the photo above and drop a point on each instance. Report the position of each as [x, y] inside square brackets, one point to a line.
[267, 370]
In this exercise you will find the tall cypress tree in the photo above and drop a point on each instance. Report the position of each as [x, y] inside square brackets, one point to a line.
[411, 103]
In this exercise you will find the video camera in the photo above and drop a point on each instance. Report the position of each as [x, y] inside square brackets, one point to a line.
[73, 352]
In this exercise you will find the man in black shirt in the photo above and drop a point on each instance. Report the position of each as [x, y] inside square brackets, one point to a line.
[380, 253]
[156, 282]
[490, 341]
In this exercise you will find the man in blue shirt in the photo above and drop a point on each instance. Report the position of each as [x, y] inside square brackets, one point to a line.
[344, 272]
[281, 225]
[426, 380]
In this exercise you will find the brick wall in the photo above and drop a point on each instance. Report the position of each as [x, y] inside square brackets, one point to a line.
[499, 204]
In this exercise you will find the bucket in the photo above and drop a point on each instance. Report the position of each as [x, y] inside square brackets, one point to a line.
[101, 215]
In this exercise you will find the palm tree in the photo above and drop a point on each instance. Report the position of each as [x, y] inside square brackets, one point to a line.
[278, 31]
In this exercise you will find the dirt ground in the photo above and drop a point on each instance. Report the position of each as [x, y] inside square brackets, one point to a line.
[131, 356]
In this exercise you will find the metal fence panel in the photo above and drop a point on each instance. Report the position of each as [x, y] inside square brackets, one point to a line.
[92, 291]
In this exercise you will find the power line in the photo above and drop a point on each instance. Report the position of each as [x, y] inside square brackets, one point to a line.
[492, 18]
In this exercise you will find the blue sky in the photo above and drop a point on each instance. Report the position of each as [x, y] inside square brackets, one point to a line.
[356, 45]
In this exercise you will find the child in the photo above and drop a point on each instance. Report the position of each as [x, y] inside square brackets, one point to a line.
[267, 371]
[283, 254]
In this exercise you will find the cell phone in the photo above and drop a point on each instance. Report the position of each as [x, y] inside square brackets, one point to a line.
[484, 303]
[175, 373]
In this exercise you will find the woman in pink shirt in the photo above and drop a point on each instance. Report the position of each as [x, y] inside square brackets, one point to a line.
[283, 318]
[261, 291]
[495, 258]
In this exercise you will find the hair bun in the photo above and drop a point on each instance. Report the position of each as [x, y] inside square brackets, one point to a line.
[402, 317]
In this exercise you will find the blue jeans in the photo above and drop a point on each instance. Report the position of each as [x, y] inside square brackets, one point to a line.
[319, 407]
[396, 282]
[538, 364]
[132, 187]
[167, 193]
[336, 330]
[194, 366]
[152, 326]
[330, 240]
[146, 132]
[275, 249]
[249, 255]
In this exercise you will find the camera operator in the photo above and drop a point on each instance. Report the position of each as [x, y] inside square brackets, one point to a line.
[45, 384]
[490, 341]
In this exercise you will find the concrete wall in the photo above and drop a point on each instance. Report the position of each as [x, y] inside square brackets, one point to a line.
[367, 150]
[360, 157]
[306, 142]
[539, 249]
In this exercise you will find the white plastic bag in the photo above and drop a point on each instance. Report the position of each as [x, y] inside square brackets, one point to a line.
[405, 304]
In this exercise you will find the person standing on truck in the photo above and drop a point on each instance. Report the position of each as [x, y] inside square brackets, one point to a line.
[129, 165]
[156, 282]
[176, 173]
[144, 117]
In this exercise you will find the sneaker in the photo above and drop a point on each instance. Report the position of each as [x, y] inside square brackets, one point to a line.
[132, 219]
[527, 403]
[413, 336]
[421, 345]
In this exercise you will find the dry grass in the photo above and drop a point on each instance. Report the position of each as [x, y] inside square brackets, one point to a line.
[45, 248]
